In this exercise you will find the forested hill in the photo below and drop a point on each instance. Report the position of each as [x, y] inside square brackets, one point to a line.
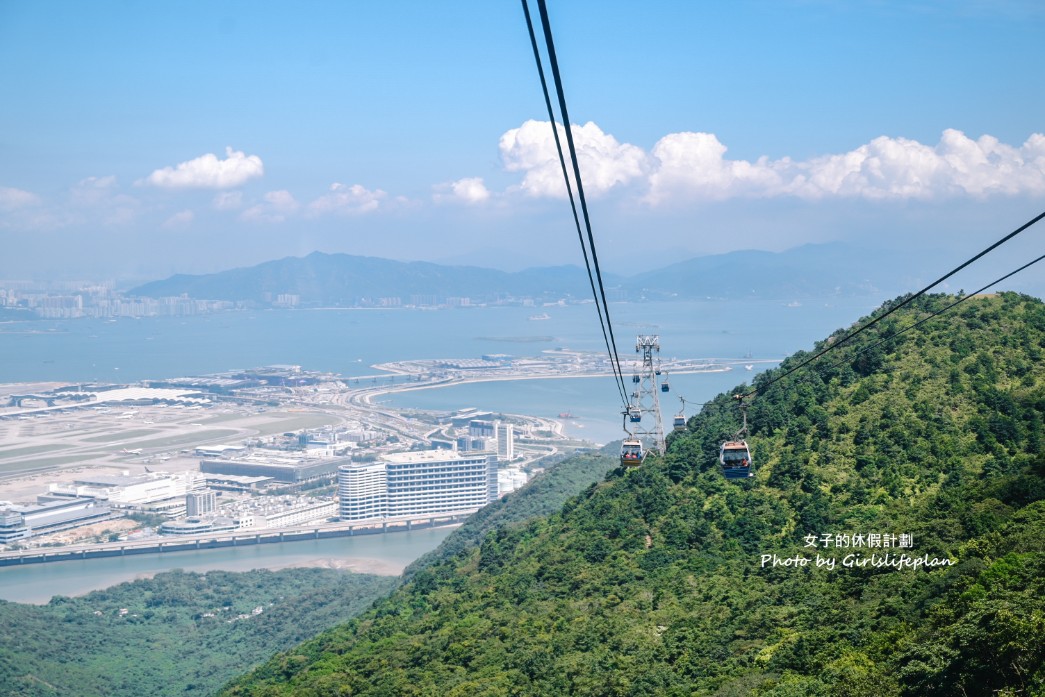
[660, 580]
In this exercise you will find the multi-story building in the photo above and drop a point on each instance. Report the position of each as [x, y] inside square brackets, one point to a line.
[199, 503]
[417, 483]
[363, 490]
[482, 429]
[505, 442]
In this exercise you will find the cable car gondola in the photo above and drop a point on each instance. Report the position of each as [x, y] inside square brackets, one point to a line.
[634, 415]
[680, 418]
[735, 458]
[635, 378]
[632, 453]
[735, 455]
[664, 387]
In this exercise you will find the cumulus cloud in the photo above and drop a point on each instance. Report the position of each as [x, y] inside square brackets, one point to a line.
[347, 200]
[685, 167]
[274, 208]
[179, 219]
[13, 199]
[604, 162]
[694, 165]
[208, 172]
[470, 190]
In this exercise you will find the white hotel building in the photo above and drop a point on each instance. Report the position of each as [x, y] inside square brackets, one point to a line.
[417, 483]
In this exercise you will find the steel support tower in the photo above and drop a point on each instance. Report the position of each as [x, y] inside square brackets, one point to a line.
[646, 397]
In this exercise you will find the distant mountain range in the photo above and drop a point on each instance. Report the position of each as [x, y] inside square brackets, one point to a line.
[321, 279]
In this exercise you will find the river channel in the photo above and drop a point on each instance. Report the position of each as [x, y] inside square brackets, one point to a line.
[388, 552]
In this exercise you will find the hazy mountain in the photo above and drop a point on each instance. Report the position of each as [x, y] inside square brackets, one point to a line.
[342, 279]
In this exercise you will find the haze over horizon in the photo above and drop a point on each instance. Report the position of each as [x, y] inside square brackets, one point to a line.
[147, 140]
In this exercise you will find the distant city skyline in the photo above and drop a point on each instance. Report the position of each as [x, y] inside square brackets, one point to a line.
[142, 140]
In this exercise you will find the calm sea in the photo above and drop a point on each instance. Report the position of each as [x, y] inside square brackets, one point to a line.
[350, 341]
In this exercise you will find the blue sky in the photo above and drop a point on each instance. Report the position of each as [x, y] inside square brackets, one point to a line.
[140, 139]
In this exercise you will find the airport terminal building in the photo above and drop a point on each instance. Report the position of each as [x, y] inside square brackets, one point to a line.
[417, 483]
[282, 468]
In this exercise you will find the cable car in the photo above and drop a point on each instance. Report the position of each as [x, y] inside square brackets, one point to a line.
[632, 453]
[664, 387]
[680, 422]
[735, 458]
[635, 378]
[634, 415]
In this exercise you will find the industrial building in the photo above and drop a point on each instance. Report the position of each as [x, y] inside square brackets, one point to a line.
[23, 522]
[131, 492]
[417, 483]
[283, 467]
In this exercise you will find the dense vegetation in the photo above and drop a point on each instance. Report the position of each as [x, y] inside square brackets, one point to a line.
[181, 634]
[653, 582]
[167, 643]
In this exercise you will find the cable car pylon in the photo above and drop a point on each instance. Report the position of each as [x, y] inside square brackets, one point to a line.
[644, 410]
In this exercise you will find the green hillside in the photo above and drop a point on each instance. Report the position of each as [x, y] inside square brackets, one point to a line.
[176, 634]
[656, 580]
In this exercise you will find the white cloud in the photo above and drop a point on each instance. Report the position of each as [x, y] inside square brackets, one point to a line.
[604, 162]
[13, 199]
[179, 219]
[275, 208]
[692, 165]
[228, 201]
[687, 167]
[208, 172]
[470, 190]
[347, 200]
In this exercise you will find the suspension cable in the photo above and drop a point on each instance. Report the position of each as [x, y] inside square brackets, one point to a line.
[922, 321]
[607, 334]
[896, 307]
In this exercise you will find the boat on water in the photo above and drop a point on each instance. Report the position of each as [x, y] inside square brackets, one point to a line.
[566, 415]
[543, 315]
